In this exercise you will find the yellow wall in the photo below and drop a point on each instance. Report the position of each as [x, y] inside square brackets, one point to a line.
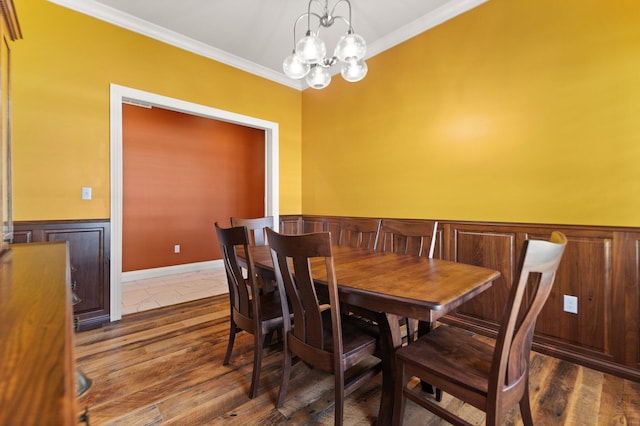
[520, 111]
[61, 72]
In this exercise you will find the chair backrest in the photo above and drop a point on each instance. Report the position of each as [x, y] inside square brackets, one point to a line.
[417, 238]
[527, 296]
[230, 240]
[358, 232]
[292, 256]
[255, 227]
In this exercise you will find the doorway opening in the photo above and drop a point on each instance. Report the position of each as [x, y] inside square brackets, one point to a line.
[120, 95]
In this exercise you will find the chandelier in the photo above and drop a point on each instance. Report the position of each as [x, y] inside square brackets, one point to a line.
[309, 58]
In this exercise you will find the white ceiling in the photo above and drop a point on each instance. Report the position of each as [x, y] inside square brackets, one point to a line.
[256, 35]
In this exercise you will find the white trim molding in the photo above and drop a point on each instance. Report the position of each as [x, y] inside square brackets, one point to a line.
[145, 274]
[121, 94]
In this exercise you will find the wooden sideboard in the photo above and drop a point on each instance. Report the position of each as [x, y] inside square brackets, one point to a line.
[37, 380]
[601, 267]
[89, 248]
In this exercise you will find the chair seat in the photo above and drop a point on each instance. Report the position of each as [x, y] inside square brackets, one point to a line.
[460, 358]
[357, 335]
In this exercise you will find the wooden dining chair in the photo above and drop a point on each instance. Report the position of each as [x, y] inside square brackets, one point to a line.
[412, 237]
[256, 228]
[323, 338]
[358, 232]
[257, 237]
[489, 377]
[256, 312]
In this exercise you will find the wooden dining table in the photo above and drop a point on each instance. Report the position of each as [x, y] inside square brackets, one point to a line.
[393, 286]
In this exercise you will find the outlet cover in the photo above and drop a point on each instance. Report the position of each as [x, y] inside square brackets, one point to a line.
[570, 304]
[176, 248]
[86, 193]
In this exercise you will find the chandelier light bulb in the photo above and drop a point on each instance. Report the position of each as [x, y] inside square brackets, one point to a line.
[311, 49]
[294, 67]
[350, 47]
[353, 70]
[319, 77]
[309, 58]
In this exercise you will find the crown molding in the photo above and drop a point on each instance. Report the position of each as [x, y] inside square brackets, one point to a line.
[140, 26]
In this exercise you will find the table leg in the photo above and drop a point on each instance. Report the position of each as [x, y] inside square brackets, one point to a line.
[390, 340]
[423, 328]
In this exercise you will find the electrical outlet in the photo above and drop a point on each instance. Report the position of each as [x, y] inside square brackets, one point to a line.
[570, 304]
[86, 193]
[176, 248]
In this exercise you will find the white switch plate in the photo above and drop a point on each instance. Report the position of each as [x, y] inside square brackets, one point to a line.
[570, 304]
[86, 193]
[176, 248]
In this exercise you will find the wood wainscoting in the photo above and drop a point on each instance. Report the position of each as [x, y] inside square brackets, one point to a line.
[601, 267]
[89, 248]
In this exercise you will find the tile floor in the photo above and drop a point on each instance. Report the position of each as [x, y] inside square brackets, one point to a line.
[142, 295]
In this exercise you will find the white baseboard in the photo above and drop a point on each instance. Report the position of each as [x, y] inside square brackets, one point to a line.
[144, 274]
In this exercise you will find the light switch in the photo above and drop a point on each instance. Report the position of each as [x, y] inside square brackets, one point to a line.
[86, 193]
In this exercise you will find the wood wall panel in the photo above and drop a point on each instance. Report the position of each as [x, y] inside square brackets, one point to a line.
[290, 224]
[495, 250]
[626, 270]
[585, 272]
[601, 266]
[315, 224]
[87, 265]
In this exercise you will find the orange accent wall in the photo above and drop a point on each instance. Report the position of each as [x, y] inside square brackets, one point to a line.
[181, 174]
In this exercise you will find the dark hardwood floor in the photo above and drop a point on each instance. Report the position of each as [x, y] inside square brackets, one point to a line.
[165, 367]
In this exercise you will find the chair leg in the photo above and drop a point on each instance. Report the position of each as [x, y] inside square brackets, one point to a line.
[286, 373]
[398, 402]
[525, 407]
[232, 338]
[338, 412]
[257, 364]
[268, 339]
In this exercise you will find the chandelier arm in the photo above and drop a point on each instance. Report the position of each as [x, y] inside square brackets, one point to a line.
[295, 24]
[348, 21]
[309, 13]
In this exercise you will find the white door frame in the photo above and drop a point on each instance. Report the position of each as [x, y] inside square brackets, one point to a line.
[120, 94]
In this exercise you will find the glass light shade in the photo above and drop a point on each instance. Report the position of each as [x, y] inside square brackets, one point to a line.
[294, 67]
[318, 77]
[354, 70]
[311, 49]
[350, 47]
